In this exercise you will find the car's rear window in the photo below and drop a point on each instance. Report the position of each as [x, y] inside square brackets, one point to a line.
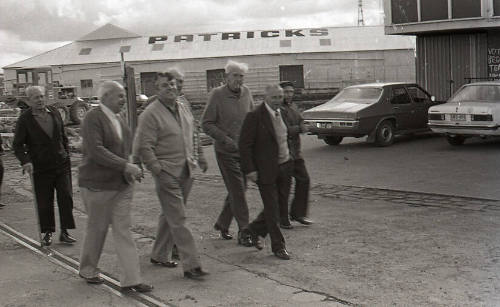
[358, 95]
[479, 93]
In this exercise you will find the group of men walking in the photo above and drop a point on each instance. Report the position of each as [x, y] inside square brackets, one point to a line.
[260, 144]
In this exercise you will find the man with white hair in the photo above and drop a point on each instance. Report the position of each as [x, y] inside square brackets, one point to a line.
[41, 145]
[106, 180]
[226, 108]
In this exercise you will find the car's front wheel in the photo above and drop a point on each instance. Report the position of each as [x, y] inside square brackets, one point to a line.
[333, 140]
[455, 140]
[384, 136]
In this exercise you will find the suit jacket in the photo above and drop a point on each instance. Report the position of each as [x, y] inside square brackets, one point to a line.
[295, 126]
[32, 144]
[104, 154]
[259, 150]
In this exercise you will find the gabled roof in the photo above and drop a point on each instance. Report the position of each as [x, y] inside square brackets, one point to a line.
[104, 45]
[108, 31]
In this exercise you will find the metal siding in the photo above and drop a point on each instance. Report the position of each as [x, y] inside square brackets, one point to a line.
[437, 65]
[460, 60]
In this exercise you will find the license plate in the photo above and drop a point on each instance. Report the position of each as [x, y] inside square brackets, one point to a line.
[457, 117]
[324, 125]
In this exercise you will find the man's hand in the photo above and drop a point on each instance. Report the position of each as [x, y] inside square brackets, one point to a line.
[252, 176]
[230, 145]
[133, 170]
[202, 163]
[27, 168]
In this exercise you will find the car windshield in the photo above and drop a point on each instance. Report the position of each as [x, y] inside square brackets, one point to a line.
[479, 93]
[358, 95]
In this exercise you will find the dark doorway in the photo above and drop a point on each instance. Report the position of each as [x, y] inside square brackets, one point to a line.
[293, 73]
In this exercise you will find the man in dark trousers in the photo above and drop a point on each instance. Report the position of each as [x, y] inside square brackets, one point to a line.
[41, 146]
[295, 125]
[265, 159]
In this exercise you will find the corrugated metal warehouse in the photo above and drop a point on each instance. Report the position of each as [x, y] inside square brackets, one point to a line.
[458, 41]
[317, 60]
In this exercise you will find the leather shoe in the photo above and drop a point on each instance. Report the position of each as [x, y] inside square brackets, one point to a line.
[245, 239]
[303, 220]
[167, 264]
[47, 239]
[257, 242]
[286, 225]
[224, 233]
[282, 254]
[138, 288]
[2, 205]
[66, 238]
[196, 273]
[93, 280]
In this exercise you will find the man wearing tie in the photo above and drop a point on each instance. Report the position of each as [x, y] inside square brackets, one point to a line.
[265, 159]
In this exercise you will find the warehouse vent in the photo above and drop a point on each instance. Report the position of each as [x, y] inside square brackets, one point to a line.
[157, 47]
[285, 43]
[85, 51]
[325, 42]
[124, 49]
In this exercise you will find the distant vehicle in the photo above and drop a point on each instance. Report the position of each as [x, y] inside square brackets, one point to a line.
[474, 110]
[94, 101]
[379, 110]
[141, 99]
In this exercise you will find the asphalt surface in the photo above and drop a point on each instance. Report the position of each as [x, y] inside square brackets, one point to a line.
[411, 238]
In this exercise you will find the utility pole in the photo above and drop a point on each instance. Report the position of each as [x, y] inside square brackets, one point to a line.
[361, 20]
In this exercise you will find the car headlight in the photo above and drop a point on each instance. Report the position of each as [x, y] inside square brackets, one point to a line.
[482, 117]
[436, 116]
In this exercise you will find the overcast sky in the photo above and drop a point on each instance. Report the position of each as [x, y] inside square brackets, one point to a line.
[30, 27]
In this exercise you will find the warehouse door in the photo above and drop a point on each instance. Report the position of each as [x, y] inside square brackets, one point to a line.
[294, 73]
[148, 87]
[215, 78]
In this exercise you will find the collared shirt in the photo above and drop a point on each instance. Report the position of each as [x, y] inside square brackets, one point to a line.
[46, 122]
[281, 134]
[113, 118]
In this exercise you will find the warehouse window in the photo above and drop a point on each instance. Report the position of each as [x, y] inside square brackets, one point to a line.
[404, 11]
[496, 7]
[85, 51]
[285, 43]
[294, 73]
[124, 49]
[157, 47]
[215, 78]
[434, 9]
[86, 83]
[325, 42]
[465, 8]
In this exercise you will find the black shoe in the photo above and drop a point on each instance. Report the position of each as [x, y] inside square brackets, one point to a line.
[282, 254]
[224, 233]
[92, 280]
[2, 205]
[245, 239]
[66, 238]
[47, 239]
[175, 253]
[257, 242]
[286, 225]
[167, 264]
[196, 273]
[303, 220]
[138, 288]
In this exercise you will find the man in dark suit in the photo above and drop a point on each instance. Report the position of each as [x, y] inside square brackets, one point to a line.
[265, 159]
[295, 125]
[106, 178]
[41, 146]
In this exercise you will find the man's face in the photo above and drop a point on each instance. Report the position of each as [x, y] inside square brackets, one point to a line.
[274, 97]
[180, 83]
[234, 79]
[167, 89]
[115, 99]
[288, 92]
[37, 100]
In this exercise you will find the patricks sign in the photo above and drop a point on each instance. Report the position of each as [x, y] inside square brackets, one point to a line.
[239, 35]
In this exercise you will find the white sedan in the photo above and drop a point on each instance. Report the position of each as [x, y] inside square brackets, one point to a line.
[474, 110]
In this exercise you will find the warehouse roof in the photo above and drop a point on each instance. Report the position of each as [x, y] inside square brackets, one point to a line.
[105, 44]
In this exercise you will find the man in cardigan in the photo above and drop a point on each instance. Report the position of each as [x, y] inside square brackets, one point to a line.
[265, 159]
[165, 144]
[106, 182]
[295, 124]
[222, 119]
[41, 146]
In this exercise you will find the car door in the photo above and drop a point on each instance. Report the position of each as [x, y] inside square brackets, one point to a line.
[421, 102]
[402, 108]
